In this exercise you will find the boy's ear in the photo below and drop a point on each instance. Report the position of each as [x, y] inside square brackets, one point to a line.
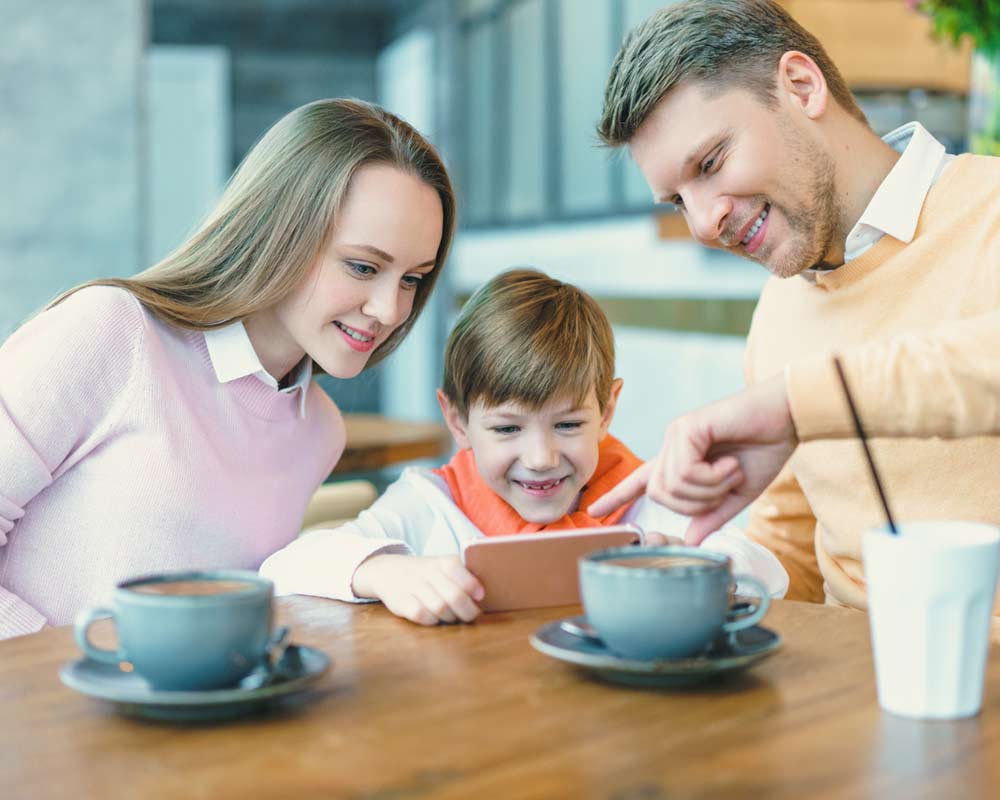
[609, 409]
[454, 420]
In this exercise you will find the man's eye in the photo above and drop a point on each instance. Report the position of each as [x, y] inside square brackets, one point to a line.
[709, 163]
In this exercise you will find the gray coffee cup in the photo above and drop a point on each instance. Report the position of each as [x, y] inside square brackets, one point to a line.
[187, 630]
[664, 602]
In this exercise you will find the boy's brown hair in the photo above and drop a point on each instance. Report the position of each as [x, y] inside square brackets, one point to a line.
[527, 338]
[719, 44]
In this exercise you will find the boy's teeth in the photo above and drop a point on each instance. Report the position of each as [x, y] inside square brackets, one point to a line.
[756, 226]
[540, 486]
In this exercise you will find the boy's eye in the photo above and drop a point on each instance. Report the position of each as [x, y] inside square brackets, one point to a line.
[568, 426]
[365, 270]
[504, 430]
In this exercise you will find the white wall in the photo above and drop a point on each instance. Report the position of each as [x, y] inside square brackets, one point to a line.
[404, 80]
[668, 374]
[665, 372]
[190, 140]
[71, 193]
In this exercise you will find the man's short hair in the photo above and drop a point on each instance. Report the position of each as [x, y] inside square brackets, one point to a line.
[529, 339]
[718, 44]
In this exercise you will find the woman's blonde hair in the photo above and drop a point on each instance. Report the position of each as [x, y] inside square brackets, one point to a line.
[527, 338]
[276, 213]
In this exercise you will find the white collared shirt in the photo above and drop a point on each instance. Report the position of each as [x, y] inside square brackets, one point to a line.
[233, 357]
[895, 207]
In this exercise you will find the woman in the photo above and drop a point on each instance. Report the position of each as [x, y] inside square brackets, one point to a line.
[169, 420]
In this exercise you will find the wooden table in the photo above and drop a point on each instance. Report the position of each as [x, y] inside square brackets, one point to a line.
[474, 712]
[374, 442]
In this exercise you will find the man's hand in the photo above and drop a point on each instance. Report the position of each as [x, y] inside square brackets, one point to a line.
[655, 539]
[424, 589]
[715, 461]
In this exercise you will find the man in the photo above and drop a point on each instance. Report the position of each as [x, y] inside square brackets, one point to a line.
[886, 252]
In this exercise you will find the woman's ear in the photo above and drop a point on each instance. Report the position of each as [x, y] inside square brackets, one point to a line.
[802, 81]
[453, 418]
[609, 409]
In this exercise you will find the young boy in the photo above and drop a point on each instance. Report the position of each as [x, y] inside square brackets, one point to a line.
[528, 394]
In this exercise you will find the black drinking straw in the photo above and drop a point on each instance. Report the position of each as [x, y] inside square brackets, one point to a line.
[864, 443]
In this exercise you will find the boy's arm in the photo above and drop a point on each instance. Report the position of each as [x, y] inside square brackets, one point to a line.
[782, 520]
[323, 562]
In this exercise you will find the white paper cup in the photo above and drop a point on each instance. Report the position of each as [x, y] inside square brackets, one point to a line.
[930, 597]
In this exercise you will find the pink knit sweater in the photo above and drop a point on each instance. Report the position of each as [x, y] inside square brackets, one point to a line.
[121, 453]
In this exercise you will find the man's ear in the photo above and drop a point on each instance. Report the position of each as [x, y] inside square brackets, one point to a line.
[453, 418]
[802, 81]
[609, 409]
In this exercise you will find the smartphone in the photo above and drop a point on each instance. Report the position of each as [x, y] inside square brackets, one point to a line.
[534, 570]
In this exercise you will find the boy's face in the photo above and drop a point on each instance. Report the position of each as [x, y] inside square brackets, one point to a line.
[537, 461]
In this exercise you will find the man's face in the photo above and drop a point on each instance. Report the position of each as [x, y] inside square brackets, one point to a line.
[748, 178]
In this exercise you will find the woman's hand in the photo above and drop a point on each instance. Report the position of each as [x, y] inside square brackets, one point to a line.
[423, 589]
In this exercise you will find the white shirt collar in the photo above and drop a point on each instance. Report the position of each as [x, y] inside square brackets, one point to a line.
[895, 207]
[233, 357]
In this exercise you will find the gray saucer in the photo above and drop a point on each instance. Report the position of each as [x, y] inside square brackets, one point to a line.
[132, 694]
[750, 646]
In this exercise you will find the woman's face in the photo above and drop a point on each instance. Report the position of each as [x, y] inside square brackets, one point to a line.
[362, 286]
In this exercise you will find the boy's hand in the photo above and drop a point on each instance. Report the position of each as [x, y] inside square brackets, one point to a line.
[654, 539]
[424, 589]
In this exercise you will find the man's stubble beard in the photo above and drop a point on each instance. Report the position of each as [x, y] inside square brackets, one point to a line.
[814, 221]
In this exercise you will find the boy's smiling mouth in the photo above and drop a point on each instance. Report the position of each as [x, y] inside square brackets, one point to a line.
[541, 488]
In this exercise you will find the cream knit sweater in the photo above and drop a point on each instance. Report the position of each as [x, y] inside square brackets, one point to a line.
[918, 330]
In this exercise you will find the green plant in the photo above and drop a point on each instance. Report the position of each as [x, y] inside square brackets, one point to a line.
[954, 19]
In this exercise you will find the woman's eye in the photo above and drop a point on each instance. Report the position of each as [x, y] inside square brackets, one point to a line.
[412, 281]
[505, 430]
[677, 201]
[361, 268]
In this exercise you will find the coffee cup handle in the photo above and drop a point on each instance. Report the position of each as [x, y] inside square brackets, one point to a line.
[81, 628]
[755, 616]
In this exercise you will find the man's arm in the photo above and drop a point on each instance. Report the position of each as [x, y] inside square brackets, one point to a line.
[945, 382]
[716, 460]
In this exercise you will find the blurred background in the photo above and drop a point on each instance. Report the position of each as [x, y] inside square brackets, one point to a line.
[120, 121]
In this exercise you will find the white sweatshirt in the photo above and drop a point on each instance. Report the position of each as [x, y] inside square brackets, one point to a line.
[416, 516]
